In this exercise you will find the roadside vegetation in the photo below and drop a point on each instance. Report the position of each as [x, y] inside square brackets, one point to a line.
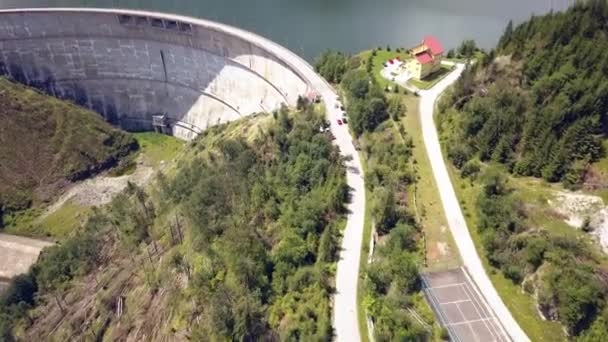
[536, 107]
[239, 243]
[390, 290]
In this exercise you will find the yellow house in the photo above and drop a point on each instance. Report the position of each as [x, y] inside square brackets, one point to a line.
[427, 58]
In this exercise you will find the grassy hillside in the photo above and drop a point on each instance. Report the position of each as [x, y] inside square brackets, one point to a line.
[46, 142]
[237, 242]
[535, 106]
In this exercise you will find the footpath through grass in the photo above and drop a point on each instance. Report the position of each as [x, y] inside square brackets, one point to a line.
[441, 253]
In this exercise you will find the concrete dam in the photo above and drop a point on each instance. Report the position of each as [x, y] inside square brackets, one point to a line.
[133, 66]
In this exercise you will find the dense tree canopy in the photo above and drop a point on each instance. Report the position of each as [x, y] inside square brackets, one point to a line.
[543, 110]
[367, 104]
[538, 105]
[567, 286]
[332, 65]
[268, 214]
[257, 237]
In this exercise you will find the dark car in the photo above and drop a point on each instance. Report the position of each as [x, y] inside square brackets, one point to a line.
[339, 122]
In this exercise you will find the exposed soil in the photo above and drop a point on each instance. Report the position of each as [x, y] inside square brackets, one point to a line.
[577, 207]
[101, 189]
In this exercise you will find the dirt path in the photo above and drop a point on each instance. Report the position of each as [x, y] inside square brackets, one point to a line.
[456, 221]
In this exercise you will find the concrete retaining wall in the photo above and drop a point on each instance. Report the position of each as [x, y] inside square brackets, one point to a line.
[130, 65]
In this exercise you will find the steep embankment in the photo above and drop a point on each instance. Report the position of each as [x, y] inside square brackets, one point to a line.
[237, 241]
[536, 106]
[45, 143]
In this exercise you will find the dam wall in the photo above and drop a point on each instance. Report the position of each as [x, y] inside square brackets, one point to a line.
[131, 65]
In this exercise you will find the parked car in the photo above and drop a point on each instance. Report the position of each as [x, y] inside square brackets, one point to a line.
[344, 119]
[339, 122]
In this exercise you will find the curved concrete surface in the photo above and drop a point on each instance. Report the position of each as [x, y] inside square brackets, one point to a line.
[131, 65]
[451, 207]
[79, 46]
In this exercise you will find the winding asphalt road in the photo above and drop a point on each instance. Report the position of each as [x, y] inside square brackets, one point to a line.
[454, 216]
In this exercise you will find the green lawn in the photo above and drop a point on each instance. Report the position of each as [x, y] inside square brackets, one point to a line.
[382, 56]
[428, 204]
[157, 147]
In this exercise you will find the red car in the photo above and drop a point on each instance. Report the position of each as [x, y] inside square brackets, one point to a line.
[339, 122]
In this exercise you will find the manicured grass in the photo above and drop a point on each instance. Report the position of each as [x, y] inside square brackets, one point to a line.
[382, 56]
[428, 203]
[431, 79]
[157, 148]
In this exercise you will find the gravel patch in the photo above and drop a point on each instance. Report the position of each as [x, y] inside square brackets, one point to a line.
[578, 207]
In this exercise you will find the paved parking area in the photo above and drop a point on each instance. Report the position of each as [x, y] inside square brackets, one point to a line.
[460, 308]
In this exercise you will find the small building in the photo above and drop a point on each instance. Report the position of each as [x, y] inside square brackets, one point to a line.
[426, 58]
[161, 124]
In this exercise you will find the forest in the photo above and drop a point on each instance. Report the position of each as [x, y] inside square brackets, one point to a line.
[537, 105]
[540, 107]
[237, 243]
[391, 281]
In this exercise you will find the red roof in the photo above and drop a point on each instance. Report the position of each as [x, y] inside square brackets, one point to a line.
[433, 44]
[424, 58]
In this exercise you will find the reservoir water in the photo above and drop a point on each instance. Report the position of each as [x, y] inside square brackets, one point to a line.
[309, 27]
